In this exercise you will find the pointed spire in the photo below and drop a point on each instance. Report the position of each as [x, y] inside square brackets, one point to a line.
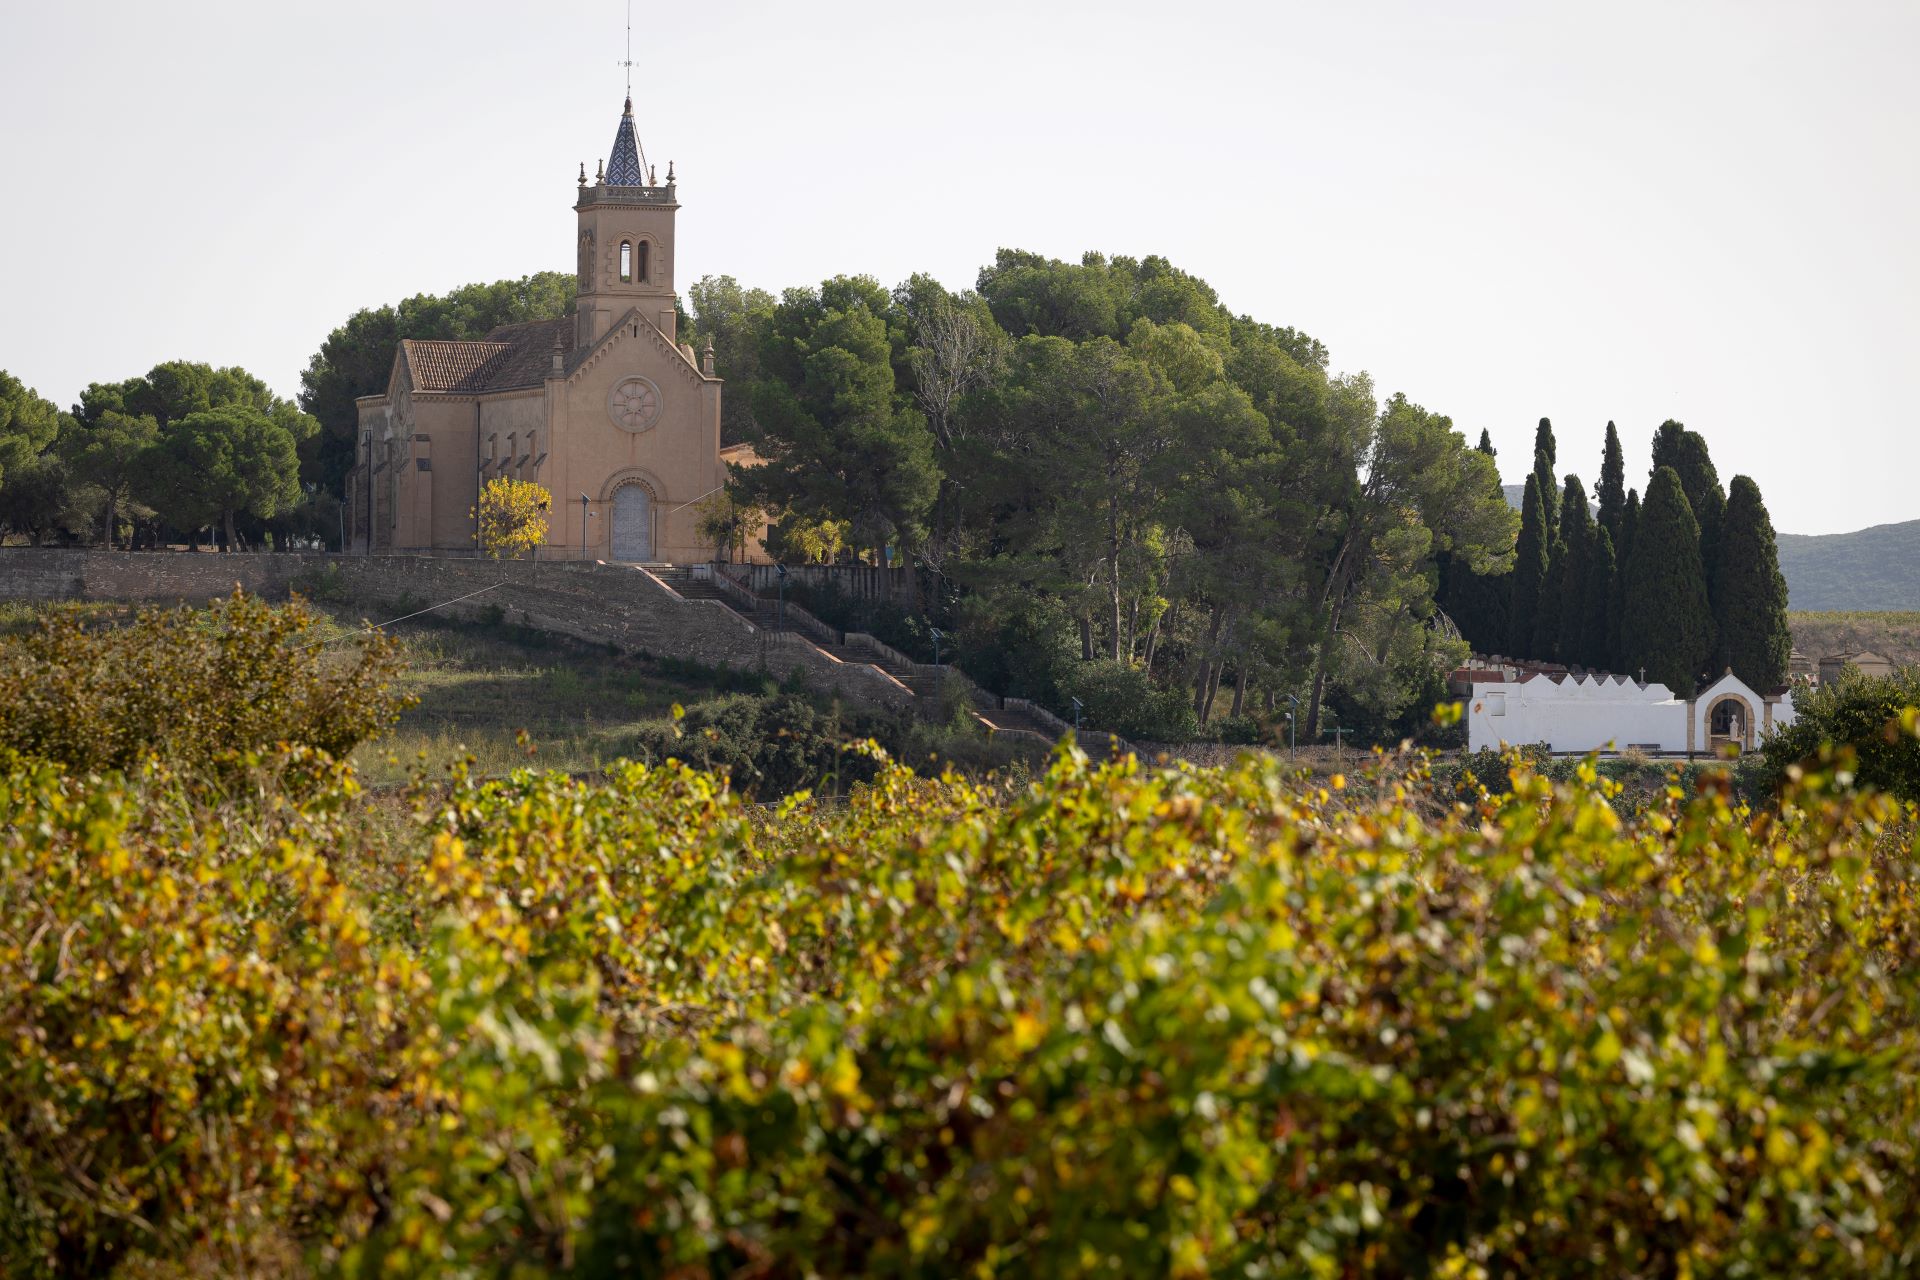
[623, 166]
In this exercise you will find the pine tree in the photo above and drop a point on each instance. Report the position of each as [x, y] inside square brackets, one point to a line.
[1545, 474]
[1612, 495]
[1529, 571]
[1576, 539]
[1476, 603]
[1616, 617]
[1751, 606]
[1668, 625]
[1602, 573]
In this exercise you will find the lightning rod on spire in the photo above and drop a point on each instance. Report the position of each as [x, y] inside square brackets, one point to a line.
[628, 64]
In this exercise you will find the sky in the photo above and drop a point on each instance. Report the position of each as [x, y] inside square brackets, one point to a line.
[1626, 212]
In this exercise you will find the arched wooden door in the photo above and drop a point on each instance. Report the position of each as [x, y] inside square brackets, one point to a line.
[632, 523]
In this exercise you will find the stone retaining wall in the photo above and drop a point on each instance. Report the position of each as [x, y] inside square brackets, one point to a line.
[602, 603]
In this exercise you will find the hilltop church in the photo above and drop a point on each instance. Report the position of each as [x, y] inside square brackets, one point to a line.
[606, 409]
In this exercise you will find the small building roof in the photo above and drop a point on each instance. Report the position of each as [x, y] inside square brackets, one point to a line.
[511, 358]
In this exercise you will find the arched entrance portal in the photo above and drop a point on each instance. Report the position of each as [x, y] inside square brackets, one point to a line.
[1728, 722]
[632, 523]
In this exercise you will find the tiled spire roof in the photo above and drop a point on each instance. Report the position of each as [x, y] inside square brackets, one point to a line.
[623, 169]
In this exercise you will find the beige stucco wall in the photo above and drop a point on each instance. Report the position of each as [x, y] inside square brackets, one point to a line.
[604, 297]
[624, 329]
[677, 459]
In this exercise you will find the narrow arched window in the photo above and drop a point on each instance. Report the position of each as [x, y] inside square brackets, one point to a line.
[626, 262]
[641, 274]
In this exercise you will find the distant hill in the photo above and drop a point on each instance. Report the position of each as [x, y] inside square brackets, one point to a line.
[1872, 569]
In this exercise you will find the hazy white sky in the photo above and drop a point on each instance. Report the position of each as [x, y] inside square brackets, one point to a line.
[1631, 211]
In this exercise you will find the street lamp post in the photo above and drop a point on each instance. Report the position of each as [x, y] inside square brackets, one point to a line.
[584, 513]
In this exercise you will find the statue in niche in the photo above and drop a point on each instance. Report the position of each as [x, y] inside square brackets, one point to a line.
[586, 261]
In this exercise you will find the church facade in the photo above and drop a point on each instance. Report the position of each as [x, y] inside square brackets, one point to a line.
[606, 409]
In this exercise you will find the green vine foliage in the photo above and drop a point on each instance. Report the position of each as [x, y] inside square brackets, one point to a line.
[1118, 1021]
[202, 689]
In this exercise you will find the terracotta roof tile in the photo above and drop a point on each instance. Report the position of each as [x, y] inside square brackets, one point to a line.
[528, 358]
[512, 357]
[448, 366]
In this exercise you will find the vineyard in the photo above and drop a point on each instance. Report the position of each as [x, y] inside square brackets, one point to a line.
[1114, 1020]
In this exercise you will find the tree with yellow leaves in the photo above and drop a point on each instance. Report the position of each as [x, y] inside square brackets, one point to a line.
[512, 516]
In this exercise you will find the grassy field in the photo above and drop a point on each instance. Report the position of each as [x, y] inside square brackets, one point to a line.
[1895, 634]
[479, 688]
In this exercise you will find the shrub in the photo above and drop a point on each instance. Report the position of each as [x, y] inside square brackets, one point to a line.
[768, 745]
[198, 688]
[1119, 698]
[1862, 715]
[1238, 731]
[325, 584]
[1017, 643]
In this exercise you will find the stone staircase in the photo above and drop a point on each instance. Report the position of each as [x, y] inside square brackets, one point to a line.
[765, 613]
[1017, 720]
[923, 680]
[924, 683]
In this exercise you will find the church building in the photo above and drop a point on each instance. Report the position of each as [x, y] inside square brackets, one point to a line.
[606, 409]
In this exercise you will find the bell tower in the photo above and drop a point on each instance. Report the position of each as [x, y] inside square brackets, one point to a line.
[625, 240]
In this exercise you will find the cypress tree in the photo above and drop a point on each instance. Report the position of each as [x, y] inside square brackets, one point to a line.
[1602, 574]
[1544, 473]
[1686, 452]
[1668, 627]
[1616, 618]
[1529, 571]
[1553, 592]
[1612, 495]
[1751, 607]
[1576, 539]
[1666, 445]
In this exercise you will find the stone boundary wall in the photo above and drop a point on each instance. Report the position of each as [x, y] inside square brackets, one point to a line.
[600, 603]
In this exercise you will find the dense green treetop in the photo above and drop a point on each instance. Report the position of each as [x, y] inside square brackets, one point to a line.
[28, 424]
[1612, 495]
[1668, 627]
[734, 319]
[114, 454]
[1529, 571]
[1602, 593]
[33, 481]
[1576, 543]
[1686, 452]
[214, 465]
[1750, 592]
[842, 443]
[1546, 472]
